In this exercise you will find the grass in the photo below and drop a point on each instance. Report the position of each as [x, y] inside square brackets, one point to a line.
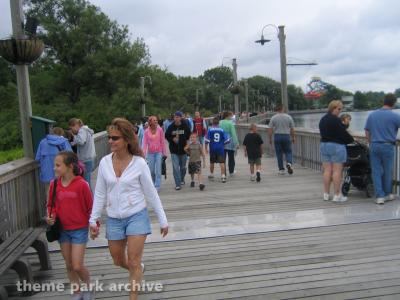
[10, 155]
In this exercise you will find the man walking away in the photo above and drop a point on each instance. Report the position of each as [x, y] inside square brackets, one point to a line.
[282, 126]
[381, 132]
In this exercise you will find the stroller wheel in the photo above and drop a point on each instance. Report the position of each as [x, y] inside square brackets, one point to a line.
[345, 188]
[369, 189]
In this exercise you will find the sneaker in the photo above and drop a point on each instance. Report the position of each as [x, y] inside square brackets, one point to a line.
[211, 176]
[258, 175]
[380, 200]
[339, 198]
[223, 178]
[177, 188]
[201, 186]
[252, 177]
[182, 183]
[143, 267]
[289, 168]
[390, 197]
[326, 197]
[87, 295]
[232, 174]
[192, 184]
[281, 172]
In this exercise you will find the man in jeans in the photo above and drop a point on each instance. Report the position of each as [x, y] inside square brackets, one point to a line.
[177, 134]
[282, 126]
[381, 132]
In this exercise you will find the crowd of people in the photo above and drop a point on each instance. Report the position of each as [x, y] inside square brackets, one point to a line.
[130, 176]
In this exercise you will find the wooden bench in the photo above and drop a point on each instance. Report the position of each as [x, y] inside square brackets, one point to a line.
[12, 249]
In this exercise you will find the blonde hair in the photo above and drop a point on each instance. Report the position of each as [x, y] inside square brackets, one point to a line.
[334, 104]
[128, 133]
[253, 126]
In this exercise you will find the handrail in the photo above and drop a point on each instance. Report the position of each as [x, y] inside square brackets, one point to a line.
[22, 196]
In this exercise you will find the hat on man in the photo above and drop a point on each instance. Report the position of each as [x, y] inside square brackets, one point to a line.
[178, 114]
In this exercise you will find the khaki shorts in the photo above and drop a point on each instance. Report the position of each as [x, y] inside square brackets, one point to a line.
[254, 161]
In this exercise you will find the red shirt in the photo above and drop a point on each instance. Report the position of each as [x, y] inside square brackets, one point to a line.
[199, 126]
[73, 203]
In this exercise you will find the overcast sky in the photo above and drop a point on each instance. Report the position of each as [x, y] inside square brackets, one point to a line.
[356, 43]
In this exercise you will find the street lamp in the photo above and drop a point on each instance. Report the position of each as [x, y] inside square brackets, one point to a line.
[280, 30]
[235, 87]
[143, 102]
[197, 98]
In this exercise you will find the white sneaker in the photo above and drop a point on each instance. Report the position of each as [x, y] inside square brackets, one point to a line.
[339, 198]
[211, 176]
[253, 177]
[223, 178]
[142, 267]
[380, 200]
[281, 172]
[326, 197]
[232, 174]
[390, 197]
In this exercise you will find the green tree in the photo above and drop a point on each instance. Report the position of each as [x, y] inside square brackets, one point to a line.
[360, 100]
[86, 48]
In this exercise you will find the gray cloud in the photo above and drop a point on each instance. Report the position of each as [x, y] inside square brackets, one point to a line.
[355, 42]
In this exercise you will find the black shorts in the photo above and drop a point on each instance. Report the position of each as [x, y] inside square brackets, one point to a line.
[217, 158]
[195, 167]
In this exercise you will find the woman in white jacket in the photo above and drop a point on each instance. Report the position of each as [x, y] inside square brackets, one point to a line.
[123, 184]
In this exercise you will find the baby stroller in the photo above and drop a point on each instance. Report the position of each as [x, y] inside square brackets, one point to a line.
[358, 170]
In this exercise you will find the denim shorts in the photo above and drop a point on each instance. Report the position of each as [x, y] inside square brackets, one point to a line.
[78, 236]
[137, 224]
[333, 152]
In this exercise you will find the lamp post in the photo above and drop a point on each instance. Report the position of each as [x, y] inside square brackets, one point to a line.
[235, 96]
[282, 49]
[197, 98]
[143, 102]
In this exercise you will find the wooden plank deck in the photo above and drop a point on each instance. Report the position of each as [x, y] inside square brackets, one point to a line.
[349, 261]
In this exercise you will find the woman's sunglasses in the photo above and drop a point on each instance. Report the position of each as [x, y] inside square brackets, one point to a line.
[114, 137]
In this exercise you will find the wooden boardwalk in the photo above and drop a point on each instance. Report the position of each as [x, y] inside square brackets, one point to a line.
[341, 261]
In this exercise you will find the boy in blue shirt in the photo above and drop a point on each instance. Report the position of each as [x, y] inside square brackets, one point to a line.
[216, 139]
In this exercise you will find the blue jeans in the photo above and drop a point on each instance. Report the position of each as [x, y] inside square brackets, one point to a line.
[231, 160]
[154, 160]
[382, 160]
[283, 145]
[179, 167]
[88, 171]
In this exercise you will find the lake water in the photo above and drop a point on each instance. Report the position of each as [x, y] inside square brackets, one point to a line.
[358, 120]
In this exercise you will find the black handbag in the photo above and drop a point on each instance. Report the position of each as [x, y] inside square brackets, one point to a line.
[53, 231]
[164, 167]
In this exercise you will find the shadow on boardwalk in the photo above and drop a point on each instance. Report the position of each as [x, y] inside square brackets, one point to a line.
[274, 240]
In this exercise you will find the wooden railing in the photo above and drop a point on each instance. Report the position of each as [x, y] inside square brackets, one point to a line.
[22, 196]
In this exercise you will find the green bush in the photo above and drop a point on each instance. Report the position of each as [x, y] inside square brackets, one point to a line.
[10, 155]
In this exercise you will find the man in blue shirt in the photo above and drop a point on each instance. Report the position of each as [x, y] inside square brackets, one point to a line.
[381, 132]
[217, 138]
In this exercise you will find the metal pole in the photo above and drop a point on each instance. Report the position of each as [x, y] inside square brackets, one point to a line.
[142, 96]
[197, 99]
[220, 103]
[246, 93]
[235, 96]
[24, 94]
[282, 38]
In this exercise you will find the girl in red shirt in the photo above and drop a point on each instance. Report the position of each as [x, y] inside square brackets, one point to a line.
[73, 206]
